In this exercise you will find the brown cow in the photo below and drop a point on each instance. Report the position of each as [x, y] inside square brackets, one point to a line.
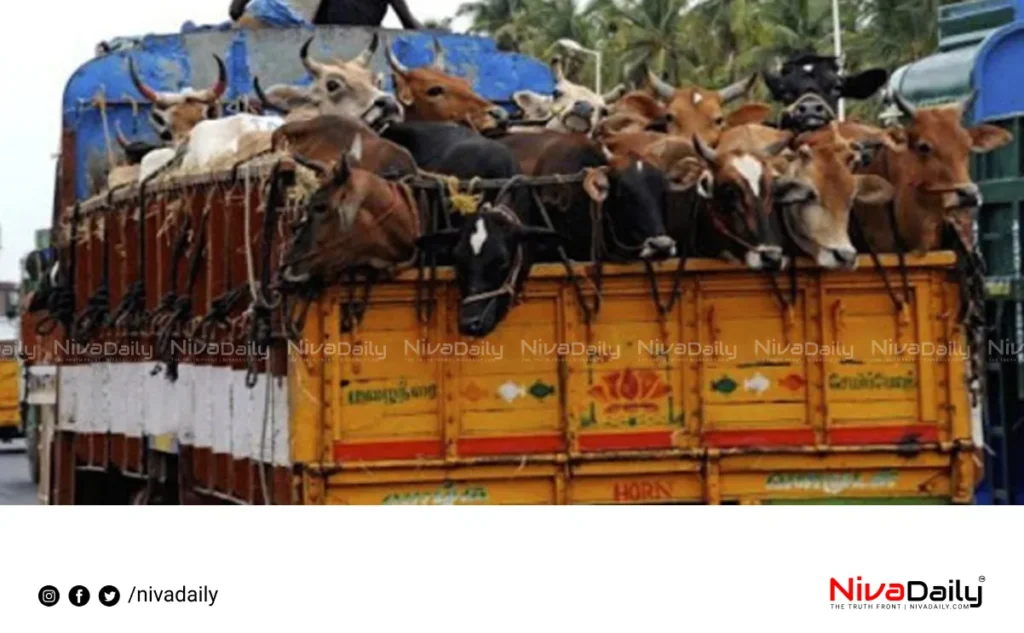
[674, 155]
[815, 191]
[431, 94]
[355, 218]
[175, 114]
[696, 110]
[929, 170]
[325, 138]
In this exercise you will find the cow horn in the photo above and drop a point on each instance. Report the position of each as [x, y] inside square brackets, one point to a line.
[396, 65]
[737, 90]
[313, 67]
[703, 150]
[151, 95]
[967, 102]
[121, 140]
[313, 165]
[439, 57]
[220, 87]
[364, 58]
[664, 90]
[903, 104]
[265, 100]
[615, 93]
[557, 68]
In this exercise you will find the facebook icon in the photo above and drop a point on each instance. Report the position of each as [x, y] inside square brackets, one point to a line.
[79, 596]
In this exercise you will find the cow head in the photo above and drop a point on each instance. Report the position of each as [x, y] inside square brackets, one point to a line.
[810, 86]
[640, 105]
[699, 111]
[134, 151]
[738, 185]
[431, 94]
[570, 107]
[930, 168]
[815, 193]
[174, 114]
[633, 193]
[344, 88]
[492, 252]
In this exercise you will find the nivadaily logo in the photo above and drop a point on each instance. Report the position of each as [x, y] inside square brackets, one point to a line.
[912, 594]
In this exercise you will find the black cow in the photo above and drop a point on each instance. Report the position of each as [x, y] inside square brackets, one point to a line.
[810, 86]
[492, 248]
[633, 194]
[429, 142]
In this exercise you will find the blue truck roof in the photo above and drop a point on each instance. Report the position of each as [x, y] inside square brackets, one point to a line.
[172, 62]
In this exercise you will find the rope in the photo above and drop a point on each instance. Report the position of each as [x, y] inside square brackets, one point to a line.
[93, 317]
[61, 304]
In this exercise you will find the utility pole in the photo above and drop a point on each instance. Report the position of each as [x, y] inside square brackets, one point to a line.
[838, 43]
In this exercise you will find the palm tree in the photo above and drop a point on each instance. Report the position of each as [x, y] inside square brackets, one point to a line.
[490, 15]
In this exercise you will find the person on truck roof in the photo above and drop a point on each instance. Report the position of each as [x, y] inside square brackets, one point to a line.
[321, 12]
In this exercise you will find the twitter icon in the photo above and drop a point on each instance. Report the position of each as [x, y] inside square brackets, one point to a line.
[109, 596]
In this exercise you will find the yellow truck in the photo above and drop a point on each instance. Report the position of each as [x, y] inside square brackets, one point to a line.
[10, 376]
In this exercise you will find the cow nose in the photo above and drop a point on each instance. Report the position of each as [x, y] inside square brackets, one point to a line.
[388, 105]
[969, 196]
[660, 247]
[583, 110]
[771, 257]
[846, 257]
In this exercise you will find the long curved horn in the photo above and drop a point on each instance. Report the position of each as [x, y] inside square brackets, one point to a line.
[366, 56]
[265, 100]
[664, 90]
[218, 89]
[439, 57]
[738, 89]
[703, 150]
[151, 95]
[614, 94]
[313, 67]
[392, 60]
[121, 139]
[558, 68]
[903, 104]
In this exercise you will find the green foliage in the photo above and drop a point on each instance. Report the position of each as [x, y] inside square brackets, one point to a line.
[707, 42]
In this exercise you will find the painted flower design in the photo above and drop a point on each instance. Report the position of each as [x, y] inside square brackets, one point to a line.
[473, 392]
[793, 382]
[630, 390]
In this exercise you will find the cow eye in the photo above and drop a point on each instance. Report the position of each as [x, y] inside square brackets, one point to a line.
[333, 85]
[720, 121]
[435, 91]
[924, 148]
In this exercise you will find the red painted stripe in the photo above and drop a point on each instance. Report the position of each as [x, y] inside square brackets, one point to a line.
[923, 433]
[760, 437]
[505, 445]
[406, 449]
[595, 442]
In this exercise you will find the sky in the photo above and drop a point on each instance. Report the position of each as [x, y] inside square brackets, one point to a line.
[38, 53]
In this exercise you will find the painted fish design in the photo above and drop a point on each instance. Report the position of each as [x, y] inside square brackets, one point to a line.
[758, 384]
[540, 390]
[793, 382]
[510, 391]
[724, 385]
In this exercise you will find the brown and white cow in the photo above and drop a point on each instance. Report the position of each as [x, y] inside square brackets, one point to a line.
[696, 110]
[570, 107]
[345, 88]
[930, 173]
[324, 139]
[429, 93]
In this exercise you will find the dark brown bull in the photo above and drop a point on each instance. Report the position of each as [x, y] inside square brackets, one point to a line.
[431, 94]
[928, 167]
[354, 218]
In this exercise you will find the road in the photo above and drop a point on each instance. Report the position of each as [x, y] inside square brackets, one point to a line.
[16, 487]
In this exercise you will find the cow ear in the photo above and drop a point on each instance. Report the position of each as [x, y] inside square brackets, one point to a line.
[441, 241]
[985, 138]
[865, 84]
[748, 113]
[874, 190]
[596, 184]
[787, 190]
[402, 90]
[531, 103]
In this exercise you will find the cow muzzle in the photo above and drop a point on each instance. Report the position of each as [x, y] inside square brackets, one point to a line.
[810, 112]
[838, 258]
[968, 197]
[384, 111]
[656, 248]
[579, 118]
[766, 258]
